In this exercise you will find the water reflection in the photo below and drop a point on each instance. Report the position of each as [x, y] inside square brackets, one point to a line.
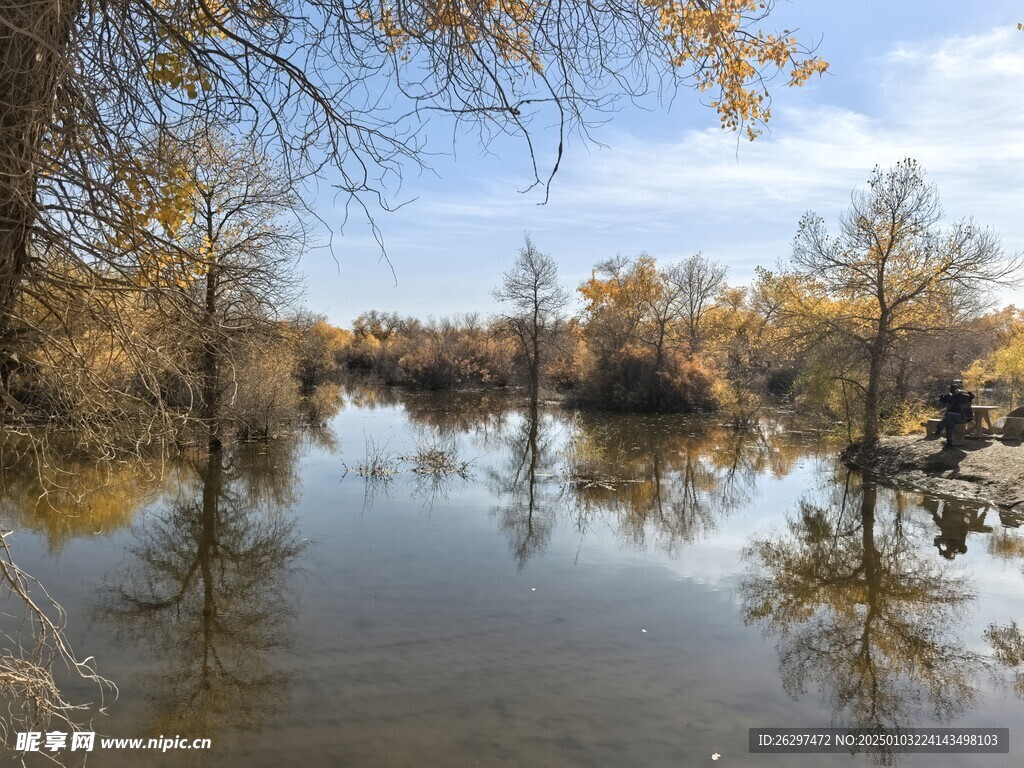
[955, 519]
[528, 500]
[63, 497]
[657, 480]
[1007, 640]
[481, 413]
[459, 412]
[1007, 643]
[207, 589]
[859, 610]
[668, 480]
[426, 645]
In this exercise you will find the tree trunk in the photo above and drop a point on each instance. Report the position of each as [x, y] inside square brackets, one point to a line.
[535, 362]
[211, 363]
[872, 398]
[659, 354]
[34, 37]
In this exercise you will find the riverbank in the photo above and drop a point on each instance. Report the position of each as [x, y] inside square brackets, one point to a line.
[985, 470]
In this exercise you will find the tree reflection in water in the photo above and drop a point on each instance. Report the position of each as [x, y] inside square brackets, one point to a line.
[657, 480]
[456, 412]
[660, 481]
[665, 480]
[1008, 644]
[860, 610]
[207, 589]
[1007, 640]
[68, 496]
[529, 499]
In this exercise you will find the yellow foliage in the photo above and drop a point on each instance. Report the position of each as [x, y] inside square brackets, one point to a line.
[154, 195]
[907, 417]
[712, 38]
[172, 65]
[725, 56]
[1006, 364]
[507, 26]
[617, 307]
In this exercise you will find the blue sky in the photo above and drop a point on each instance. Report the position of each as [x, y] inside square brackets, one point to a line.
[937, 81]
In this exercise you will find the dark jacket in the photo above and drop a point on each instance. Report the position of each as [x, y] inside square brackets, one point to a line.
[959, 402]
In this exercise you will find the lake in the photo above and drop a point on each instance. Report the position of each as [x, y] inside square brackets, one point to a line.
[460, 580]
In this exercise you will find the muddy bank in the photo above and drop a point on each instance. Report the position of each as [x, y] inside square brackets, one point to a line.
[986, 470]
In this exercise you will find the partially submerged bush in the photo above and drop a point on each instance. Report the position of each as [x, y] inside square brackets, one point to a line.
[634, 381]
[262, 398]
[437, 455]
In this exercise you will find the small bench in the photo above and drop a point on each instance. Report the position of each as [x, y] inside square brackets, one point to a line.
[959, 431]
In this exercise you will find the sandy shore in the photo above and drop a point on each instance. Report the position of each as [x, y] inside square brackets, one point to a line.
[986, 470]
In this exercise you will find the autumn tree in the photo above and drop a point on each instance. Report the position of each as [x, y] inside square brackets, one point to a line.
[535, 298]
[1005, 363]
[633, 322]
[374, 336]
[319, 349]
[879, 281]
[88, 89]
[449, 353]
[381, 326]
[226, 268]
[751, 359]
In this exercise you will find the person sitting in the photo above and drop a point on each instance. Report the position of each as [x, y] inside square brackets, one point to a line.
[958, 410]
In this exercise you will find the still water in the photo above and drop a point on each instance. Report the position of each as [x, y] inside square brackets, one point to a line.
[574, 590]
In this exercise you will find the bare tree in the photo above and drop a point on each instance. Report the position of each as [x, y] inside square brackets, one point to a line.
[882, 278]
[230, 269]
[536, 298]
[698, 281]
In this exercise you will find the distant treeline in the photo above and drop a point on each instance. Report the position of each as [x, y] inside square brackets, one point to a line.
[677, 337]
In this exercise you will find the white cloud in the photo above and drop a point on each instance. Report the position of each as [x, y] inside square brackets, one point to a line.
[953, 104]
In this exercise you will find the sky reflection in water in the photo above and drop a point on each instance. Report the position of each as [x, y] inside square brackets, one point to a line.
[595, 590]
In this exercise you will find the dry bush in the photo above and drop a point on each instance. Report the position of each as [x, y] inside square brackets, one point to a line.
[437, 455]
[906, 417]
[263, 399]
[456, 353]
[629, 381]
